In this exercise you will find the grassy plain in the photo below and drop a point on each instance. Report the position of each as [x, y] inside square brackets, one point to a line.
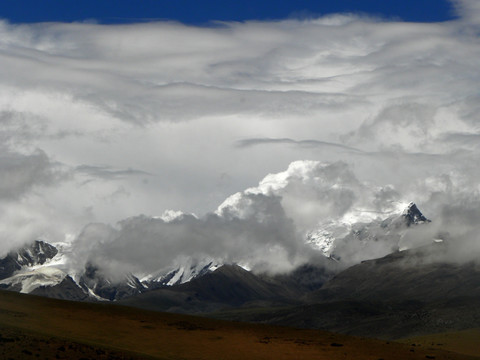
[35, 327]
[463, 342]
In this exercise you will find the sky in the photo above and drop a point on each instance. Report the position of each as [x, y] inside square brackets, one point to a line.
[257, 129]
[208, 11]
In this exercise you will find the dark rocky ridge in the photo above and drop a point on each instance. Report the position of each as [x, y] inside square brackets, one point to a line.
[66, 290]
[108, 289]
[230, 286]
[406, 293]
[36, 253]
[413, 215]
[423, 274]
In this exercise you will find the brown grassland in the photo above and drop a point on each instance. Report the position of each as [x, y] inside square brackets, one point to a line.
[34, 327]
[464, 342]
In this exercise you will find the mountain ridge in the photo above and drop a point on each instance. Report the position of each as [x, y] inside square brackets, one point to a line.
[28, 268]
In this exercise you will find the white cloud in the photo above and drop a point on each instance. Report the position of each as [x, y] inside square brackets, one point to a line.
[148, 117]
[469, 11]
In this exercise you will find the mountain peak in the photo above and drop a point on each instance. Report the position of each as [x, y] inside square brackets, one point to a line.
[413, 215]
[36, 253]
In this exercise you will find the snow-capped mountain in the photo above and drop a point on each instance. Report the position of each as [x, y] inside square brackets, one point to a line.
[413, 216]
[364, 240]
[323, 238]
[102, 287]
[30, 268]
[34, 254]
[36, 269]
[27, 280]
[42, 268]
[186, 270]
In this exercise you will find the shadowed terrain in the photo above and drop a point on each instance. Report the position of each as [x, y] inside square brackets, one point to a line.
[38, 327]
[464, 342]
[404, 294]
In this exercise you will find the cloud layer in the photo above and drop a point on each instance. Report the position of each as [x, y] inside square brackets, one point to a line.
[100, 124]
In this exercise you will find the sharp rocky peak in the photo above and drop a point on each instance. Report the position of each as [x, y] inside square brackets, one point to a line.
[413, 215]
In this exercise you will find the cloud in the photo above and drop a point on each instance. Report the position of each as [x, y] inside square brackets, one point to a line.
[263, 227]
[107, 173]
[304, 143]
[464, 140]
[469, 10]
[22, 224]
[402, 125]
[20, 173]
[258, 228]
[167, 116]
[269, 244]
[24, 180]
[309, 191]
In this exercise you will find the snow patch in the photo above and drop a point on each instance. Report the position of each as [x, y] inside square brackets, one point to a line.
[32, 279]
[95, 296]
[185, 270]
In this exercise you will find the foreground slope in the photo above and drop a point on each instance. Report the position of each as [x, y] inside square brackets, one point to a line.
[121, 332]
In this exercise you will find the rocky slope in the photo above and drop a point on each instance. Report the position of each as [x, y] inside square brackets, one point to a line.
[36, 253]
[41, 268]
[406, 293]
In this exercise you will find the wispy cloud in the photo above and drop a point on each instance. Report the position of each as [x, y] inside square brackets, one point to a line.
[286, 141]
[107, 173]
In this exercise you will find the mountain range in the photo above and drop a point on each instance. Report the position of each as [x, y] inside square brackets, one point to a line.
[406, 292]
[41, 268]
